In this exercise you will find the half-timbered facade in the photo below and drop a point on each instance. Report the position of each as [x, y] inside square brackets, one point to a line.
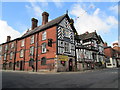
[89, 51]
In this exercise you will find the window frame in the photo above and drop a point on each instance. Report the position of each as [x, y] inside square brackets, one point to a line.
[21, 53]
[43, 61]
[42, 47]
[11, 56]
[22, 43]
[31, 50]
[44, 35]
[32, 39]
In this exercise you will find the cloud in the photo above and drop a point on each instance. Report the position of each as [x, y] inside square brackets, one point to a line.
[58, 3]
[114, 9]
[7, 30]
[34, 8]
[92, 22]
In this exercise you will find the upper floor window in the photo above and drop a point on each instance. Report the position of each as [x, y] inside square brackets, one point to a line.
[12, 45]
[66, 33]
[22, 43]
[11, 55]
[6, 47]
[0, 48]
[31, 50]
[44, 48]
[21, 53]
[67, 47]
[5, 56]
[0, 57]
[44, 36]
[32, 39]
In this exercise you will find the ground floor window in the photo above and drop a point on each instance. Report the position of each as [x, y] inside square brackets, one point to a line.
[43, 61]
[10, 64]
[17, 64]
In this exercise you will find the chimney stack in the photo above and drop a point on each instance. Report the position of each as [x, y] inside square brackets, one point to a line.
[34, 23]
[8, 38]
[105, 44]
[44, 18]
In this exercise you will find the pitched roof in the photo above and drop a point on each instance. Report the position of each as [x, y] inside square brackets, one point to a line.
[87, 35]
[47, 25]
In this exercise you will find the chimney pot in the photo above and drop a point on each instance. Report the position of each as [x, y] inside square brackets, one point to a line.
[8, 38]
[34, 23]
[44, 18]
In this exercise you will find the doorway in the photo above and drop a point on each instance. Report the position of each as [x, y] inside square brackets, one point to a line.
[70, 65]
[21, 65]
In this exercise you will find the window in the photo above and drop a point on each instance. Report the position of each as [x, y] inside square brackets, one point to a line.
[22, 43]
[12, 45]
[31, 50]
[21, 53]
[0, 48]
[17, 63]
[6, 47]
[5, 56]
[31, 62]
[44, 48]
[0, 57]
[67, 49]
[10, 64]
[32, 39]
[66, 33]
[44, 36]
[11, 55]
[43, 61]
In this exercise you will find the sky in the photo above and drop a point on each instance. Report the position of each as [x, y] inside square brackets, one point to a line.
[87, 16]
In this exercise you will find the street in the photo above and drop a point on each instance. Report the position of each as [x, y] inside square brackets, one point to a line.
[106, 78]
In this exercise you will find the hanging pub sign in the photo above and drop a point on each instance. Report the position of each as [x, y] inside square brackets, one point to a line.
[62, 58]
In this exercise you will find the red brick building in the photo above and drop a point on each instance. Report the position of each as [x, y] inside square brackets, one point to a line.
[112, 55]
[49, 46]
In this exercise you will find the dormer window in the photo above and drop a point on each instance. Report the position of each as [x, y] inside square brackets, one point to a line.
[22, 43]
[44, 36]
[32, 39]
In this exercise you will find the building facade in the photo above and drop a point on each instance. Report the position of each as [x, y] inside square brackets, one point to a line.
[50, 46]
[89, 51]
[112, 55]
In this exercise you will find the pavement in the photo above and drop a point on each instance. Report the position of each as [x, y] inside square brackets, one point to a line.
[53, 72]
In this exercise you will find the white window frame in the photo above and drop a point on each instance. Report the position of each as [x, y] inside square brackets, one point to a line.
[44, 50]
[0, 57]
[22, 43]
[11, 55]
[32, 50]
[32, 39]
[0, 49]
[44, 35]
[6, 47]
[21, 53]
[12, 45]
[5, 56]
